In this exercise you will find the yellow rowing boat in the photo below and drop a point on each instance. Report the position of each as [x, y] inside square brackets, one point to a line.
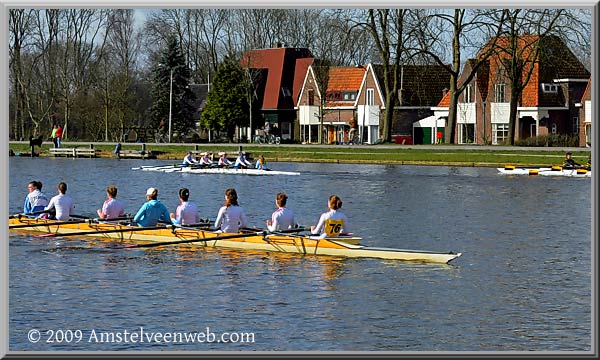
[255, 240]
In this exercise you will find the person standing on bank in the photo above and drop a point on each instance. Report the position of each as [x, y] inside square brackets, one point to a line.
[187, 212]
[282, 218]
[53, 135]
[62, 203]
[231, 216]
[152, 211]
[112, 207]
[59, 134]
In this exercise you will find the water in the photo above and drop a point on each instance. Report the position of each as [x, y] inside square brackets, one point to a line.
[522, 284]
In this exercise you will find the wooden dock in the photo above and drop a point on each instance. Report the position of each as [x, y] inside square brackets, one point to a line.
[136, 154]
[74, 152]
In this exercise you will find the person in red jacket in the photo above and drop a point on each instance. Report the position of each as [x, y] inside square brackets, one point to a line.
[59, 132]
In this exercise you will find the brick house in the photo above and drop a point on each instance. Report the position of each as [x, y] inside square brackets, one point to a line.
[585, 116]
[547, 105]
[277, 75]
[356, 93]
[339, 107]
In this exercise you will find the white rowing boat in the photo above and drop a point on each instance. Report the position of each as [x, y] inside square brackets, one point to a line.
[545, 171]
[213, 170]
[224, 170]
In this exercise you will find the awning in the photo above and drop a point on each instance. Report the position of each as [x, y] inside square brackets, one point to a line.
[430, 121]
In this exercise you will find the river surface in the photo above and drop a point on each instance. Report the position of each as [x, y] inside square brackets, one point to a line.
[523, 282]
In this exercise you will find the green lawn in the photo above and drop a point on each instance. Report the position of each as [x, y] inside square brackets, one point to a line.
[350, 154]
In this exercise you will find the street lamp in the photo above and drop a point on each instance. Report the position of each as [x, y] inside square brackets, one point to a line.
[170, 99]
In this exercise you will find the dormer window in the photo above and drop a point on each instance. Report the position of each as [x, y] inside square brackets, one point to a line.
[334, 95]
[549, 88]
[349, 95]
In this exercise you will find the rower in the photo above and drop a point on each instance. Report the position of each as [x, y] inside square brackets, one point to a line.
[189, 159]
[569, 163]
[35, 200]
[282, 218]
[223, 160]
[205, 160]
[231, 216]
[62, 202]
[187, 211]
[152, 211]
[112, 207]
[261, 164]
[241, 161]
[333, 222]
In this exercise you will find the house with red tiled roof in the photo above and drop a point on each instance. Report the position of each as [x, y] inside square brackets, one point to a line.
[339, 103]
[585, 116]
[277, 79]
[355, 98]
[547, 105]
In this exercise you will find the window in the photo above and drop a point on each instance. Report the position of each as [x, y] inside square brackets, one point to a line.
[466, 133]
[311, 97]
[467, 96]
[575, 125]
[500, 93]
[549, 88]
[499, 133]
[370, 96]
[349, 95]
[334, 95]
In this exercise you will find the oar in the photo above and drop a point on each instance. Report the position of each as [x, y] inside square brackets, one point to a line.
[286, 231]
[234, 236]
[120, 218]
[51, 223]
[126, 229]
[150, 167]
[295, 230]
[32, 213]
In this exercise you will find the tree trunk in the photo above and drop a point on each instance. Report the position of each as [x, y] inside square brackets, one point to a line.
[450, 135]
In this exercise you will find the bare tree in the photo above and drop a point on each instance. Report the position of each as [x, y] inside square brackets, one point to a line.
[523, 37]
[391, 31]
[20, 24]
[463, 25]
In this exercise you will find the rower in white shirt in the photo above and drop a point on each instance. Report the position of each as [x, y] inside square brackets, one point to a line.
[62, 203]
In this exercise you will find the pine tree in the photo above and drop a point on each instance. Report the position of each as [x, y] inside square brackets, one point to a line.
[182, 112]
[227, 104]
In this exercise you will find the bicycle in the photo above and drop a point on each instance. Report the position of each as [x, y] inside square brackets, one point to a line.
[272, 139]
[160, 137]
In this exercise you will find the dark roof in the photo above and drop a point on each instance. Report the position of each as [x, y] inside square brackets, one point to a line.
[281, 84]
[422, 85]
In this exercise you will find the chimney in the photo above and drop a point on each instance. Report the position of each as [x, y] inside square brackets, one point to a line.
[278, 45]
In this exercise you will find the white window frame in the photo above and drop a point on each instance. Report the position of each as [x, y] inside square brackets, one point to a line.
[575, 124]
[370, 97]
[500, 92]
[467, 94]
[549, 88]
[499, 129]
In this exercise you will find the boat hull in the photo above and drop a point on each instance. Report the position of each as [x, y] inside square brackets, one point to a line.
[545, 172]
[298, 244]
[213, 170]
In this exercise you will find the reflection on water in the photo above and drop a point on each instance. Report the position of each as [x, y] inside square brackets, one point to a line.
[522, 284]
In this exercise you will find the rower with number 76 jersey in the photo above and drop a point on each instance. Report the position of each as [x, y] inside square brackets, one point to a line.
[332, 223]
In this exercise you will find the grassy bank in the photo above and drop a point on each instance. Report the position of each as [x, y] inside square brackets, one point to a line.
[390, 154]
